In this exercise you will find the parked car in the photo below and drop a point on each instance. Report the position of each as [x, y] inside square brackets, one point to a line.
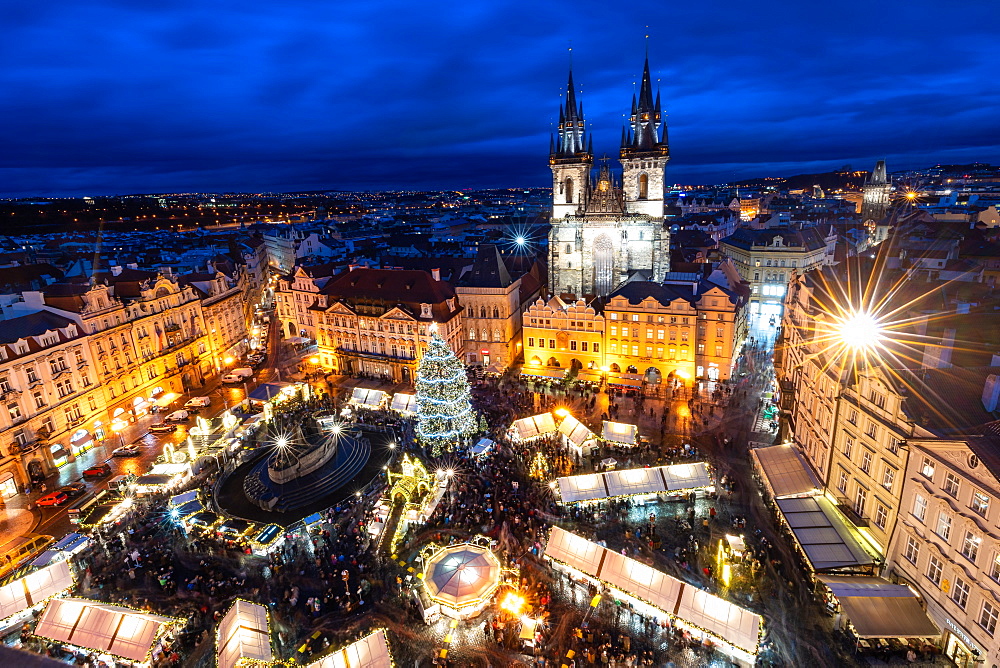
[197, 403]
[162, 428]
[98, 471]
[238, 375]
[74, 489]
[56, 498]
[177, 416]
[127, 451]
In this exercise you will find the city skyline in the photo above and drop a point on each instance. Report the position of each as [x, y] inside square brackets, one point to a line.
[299, 98]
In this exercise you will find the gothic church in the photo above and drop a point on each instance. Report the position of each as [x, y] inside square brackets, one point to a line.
[608, 229]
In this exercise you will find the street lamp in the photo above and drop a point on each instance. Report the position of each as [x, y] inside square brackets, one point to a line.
[859, 331]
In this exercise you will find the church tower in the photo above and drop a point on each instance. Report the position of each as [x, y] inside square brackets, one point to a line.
[644, 156]
[570, 158]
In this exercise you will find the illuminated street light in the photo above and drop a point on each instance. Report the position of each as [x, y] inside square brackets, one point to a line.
[520, 241]
[228, 361]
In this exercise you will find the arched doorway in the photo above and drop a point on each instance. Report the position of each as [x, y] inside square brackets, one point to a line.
[553, 362]
[713, 372]
[576, 364]
[615, 368]
[291, 329]
[35, 471]
[604, 265]
[653, 376]
[631, 369]
[406, 374]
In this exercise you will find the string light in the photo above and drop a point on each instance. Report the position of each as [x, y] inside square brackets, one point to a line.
[444, 405]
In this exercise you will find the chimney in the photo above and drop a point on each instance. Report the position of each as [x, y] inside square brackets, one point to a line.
[436, 274]
[115, 270]
[991, 392]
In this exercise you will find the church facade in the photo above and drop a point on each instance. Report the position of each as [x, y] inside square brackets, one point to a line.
[608, 228]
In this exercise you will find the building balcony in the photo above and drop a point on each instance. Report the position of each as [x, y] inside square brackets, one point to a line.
[847, 508]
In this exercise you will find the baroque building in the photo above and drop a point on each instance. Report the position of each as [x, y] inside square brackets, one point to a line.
[605, 230]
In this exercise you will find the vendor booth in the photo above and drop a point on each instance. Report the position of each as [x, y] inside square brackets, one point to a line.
[675, 479]
[34, 588]
[653, 593]
[532, 427]
[104, 628]
[243, 636]
[576, 435]
[404, 403]
[619, 433]
[372, 651]
[367, 398]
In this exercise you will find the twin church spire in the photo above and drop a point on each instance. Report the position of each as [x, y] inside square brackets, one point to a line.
[640, 138]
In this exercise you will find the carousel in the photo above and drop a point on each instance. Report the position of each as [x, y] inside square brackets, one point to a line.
[462, 579]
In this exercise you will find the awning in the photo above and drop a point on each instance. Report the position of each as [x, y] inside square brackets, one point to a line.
[619, 432]
[362, 396]
[372, 651]
[576, 432]
[822, 534]
[72, 543]
[80, 436]
[785, 471]
[119, 631]
[296, 340]
[736, 626]
[267, 391]
[589, 376]
[34, 588]
[554, 374]
[879, 609]
[624, 381]
[481, 447]
[166, 399]
[243, 634]
[186, 510]
[181, 499]
[404, 403]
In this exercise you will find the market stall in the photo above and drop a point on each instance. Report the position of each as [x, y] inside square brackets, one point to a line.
[372, 651]
[243, 636]
[404, 403]
[368, 398]
[576, 435]
[101, 627]
[532, 427]
[619, 433]
[678, 478]
[34, 588]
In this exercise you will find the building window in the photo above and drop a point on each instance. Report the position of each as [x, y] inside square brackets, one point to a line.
[893, 446]
[927, 468]
[572, 345]
[860, 500]
[14, 410]
[584, 345]
[848, 446]
[912, 550]
[920, 507]
[531, 342]
[866, 461]
[988, 617]
[877, 399]
[934, 568]
[944, 525]
[842, 481]
[888, 477]
[960, 593]
[951, 483]
[970, 546]
[597, 347]
[980, 503]
[995, 568]
[881, 516]
[852, 416]
[871, 430]
[39, 400]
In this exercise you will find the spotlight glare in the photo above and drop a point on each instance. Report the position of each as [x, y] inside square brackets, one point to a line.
[520, 241]
[860, 331]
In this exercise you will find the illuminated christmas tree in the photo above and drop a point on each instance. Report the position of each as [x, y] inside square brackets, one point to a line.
[444, 407]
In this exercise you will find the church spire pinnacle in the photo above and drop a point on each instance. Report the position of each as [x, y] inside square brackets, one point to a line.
[646, 119]
[572, 135]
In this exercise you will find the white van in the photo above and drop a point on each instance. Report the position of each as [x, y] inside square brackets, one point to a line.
[197, 402]
[238, 375]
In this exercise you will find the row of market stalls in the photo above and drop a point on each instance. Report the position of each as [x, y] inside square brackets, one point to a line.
[401, 402]
[573, 433]
[841, 560]
[642, 482]
[243, 638]
[653, 593]
[611, 375]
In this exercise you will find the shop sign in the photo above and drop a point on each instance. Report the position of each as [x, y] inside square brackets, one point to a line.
[961, 634]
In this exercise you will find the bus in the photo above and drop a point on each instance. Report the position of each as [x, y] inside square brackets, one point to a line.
[24, 549]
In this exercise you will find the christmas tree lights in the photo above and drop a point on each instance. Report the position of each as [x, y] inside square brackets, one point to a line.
[444, 407]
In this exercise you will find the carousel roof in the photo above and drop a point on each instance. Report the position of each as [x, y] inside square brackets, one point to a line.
[461, 575]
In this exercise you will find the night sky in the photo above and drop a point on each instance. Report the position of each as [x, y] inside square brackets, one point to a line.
[106, 96]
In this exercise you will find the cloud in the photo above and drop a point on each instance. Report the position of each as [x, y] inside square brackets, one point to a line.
[114, 96]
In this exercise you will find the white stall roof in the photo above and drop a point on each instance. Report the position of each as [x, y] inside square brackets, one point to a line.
[181, 499]
[733, 624]
[372, 651]
[574, 551]
[619, 432]
[825, 538]
[785, 471]
[365, 397]
[575, 431]
[102, 627]
[404, 403]
[243, 633]
[34, 588]
[536, 425]
[737, 626]
[587, 487]
[661, 479]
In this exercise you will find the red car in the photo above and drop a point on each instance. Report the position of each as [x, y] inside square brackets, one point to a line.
[98, 471]
[53, 499]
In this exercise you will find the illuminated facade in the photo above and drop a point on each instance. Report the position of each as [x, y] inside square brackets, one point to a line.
[558, 335]
[603, 231]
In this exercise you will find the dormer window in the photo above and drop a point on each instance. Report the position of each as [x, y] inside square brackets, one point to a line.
[425, 310]
[451, 304]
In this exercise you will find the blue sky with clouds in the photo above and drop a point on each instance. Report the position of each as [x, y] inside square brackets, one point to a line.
[112, 96]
